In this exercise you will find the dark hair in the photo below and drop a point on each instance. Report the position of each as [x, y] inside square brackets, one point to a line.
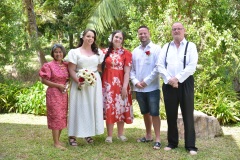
[110, 47]
[143, 27]
[55, 46]
[94, 45]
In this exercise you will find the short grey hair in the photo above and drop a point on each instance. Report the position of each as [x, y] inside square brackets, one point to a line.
[55, 46]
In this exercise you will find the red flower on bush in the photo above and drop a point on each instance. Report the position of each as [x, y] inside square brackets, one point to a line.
[147, 53]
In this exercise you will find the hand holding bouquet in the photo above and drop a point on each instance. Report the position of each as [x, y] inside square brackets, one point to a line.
[87, 77]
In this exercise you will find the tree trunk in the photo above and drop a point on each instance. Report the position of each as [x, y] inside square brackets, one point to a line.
[70, 40]
[32, 29]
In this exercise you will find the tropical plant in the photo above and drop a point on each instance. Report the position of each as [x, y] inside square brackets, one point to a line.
[8, 93]
[31, 100]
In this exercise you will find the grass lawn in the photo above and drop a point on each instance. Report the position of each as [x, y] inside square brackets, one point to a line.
[25, 137]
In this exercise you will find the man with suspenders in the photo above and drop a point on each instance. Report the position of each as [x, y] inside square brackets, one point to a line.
[176, 65]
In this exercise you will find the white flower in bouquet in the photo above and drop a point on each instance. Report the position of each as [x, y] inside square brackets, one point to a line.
[87, 77]
[89, 81]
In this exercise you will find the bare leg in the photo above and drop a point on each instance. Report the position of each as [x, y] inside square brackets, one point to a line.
[60, 131]
[110, 129]
[109, 132]
[56, 135]
[120, 127]
[148, 124]
[156, 125]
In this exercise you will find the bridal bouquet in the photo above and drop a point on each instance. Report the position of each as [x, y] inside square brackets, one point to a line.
[86, 76]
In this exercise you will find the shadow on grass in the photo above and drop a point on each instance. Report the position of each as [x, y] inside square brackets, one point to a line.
[25, 141]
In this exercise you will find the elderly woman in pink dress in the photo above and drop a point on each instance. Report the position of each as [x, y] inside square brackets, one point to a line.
[55, 75]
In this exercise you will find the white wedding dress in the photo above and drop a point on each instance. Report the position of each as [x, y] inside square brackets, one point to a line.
[86, 105]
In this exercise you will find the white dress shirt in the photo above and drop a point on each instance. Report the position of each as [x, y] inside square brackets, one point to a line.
[143, 66]
[175, 61]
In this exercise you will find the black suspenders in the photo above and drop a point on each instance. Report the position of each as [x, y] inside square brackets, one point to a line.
[184, 63]
[185, 52]
[166, 55]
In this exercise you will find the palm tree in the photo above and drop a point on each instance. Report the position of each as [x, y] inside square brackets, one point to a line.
[107, 14]
[71, 16]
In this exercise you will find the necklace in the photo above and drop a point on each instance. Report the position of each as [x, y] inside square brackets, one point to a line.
[61, 66]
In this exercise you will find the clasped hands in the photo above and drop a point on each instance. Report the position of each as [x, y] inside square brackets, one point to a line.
[63, 88]
[173, 82]
[141, 85]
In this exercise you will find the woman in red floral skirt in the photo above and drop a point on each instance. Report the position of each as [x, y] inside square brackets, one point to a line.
[117, 98]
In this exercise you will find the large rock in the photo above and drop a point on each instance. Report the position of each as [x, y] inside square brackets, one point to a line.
[205, 126]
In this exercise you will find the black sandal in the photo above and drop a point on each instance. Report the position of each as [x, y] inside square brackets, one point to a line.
[72, 141]
[89, 140]
[143, 139]
[156, 145]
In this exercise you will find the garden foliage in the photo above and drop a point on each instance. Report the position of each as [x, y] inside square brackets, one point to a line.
[211, 25]
[19, 98]
[218, 47]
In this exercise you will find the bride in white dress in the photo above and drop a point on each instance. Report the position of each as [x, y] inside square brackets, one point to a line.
[85, 105]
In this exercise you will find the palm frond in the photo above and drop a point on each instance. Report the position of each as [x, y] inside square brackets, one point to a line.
[105, 15]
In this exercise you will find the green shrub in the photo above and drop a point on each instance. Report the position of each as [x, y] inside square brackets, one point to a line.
[221, 103]
[8, 95]
[32, 100]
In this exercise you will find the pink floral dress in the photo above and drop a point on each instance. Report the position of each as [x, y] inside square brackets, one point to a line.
[57, 102]
[115, 108]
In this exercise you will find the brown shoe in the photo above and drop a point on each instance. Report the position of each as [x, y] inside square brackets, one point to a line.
[72, 141]
[89, 140]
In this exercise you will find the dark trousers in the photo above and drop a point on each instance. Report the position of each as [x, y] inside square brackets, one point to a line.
[183, 95]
